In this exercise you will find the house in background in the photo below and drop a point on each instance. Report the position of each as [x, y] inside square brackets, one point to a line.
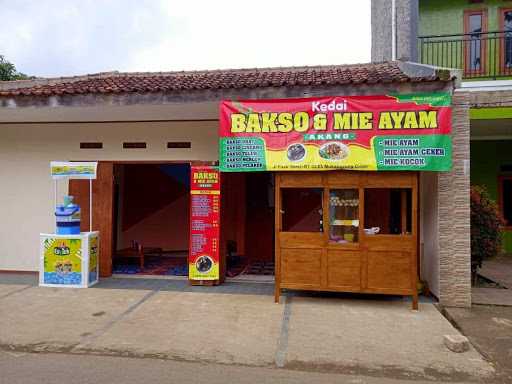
[474, 36]
[147, 131]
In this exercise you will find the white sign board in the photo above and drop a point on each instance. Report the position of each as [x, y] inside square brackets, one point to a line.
[73, 170]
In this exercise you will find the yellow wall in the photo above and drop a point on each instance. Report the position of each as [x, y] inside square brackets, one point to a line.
[26, 189]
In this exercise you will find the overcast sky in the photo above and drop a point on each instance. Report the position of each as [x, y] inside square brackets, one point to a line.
[69, 37]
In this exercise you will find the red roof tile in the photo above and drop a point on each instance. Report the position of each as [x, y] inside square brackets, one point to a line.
[115, 82]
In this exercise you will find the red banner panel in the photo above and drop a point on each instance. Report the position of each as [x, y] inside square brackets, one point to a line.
[204, 223]
[368, 133]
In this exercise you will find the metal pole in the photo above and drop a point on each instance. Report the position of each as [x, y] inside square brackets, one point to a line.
[90, 205]
[55, 194]
[393, 30]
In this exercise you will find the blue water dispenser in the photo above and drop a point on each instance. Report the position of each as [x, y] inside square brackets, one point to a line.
[67, 217]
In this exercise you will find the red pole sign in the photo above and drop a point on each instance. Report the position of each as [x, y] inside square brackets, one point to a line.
[204, 223]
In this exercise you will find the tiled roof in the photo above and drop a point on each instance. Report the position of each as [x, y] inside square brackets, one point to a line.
[116, 82]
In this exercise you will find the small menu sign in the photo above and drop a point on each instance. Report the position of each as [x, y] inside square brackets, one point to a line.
[204, 223]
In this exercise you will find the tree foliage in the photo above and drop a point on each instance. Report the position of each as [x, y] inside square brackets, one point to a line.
[8, 71]
[486, 225]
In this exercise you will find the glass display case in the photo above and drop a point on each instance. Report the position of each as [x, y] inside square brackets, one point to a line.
[343, 216]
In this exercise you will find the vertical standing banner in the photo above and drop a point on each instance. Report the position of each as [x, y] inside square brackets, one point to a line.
[204, 223]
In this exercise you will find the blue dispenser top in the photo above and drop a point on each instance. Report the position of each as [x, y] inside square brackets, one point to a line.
[68, 208]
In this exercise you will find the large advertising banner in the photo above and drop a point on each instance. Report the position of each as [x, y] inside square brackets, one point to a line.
[368, 133]
[204, 223]
[62, 261]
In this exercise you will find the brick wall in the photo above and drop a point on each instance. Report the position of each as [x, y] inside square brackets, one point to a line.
[454, 214]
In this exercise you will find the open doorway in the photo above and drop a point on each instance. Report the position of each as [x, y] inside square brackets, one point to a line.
[248, 225]
[151, 219]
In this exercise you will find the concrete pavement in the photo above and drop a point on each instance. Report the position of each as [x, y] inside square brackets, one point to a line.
[239, 329]
[491, 296]
[498, 269]
[377, 336]
[489, 328]
[237, 324]
[27, 368]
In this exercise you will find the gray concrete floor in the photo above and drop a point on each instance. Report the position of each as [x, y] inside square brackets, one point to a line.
[491, 296]
[236, 324]
[489, 328]
[498, 269]
[29, 368]
[19, 278]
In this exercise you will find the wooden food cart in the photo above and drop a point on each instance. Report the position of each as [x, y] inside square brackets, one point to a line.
[357, 232]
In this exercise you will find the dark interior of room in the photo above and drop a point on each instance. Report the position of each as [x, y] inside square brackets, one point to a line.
[152, 217]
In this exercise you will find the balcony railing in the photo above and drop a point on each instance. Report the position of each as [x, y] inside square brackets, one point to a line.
[486, 55]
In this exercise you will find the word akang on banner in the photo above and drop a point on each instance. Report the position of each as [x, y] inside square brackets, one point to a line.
[368, 133]
[204, 223]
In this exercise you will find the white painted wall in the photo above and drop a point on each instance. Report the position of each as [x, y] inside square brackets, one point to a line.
[26, 189]
[429, 233]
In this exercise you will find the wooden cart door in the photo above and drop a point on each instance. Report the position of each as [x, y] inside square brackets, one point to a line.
[299, 230]
[391, 253]
[344, 202]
